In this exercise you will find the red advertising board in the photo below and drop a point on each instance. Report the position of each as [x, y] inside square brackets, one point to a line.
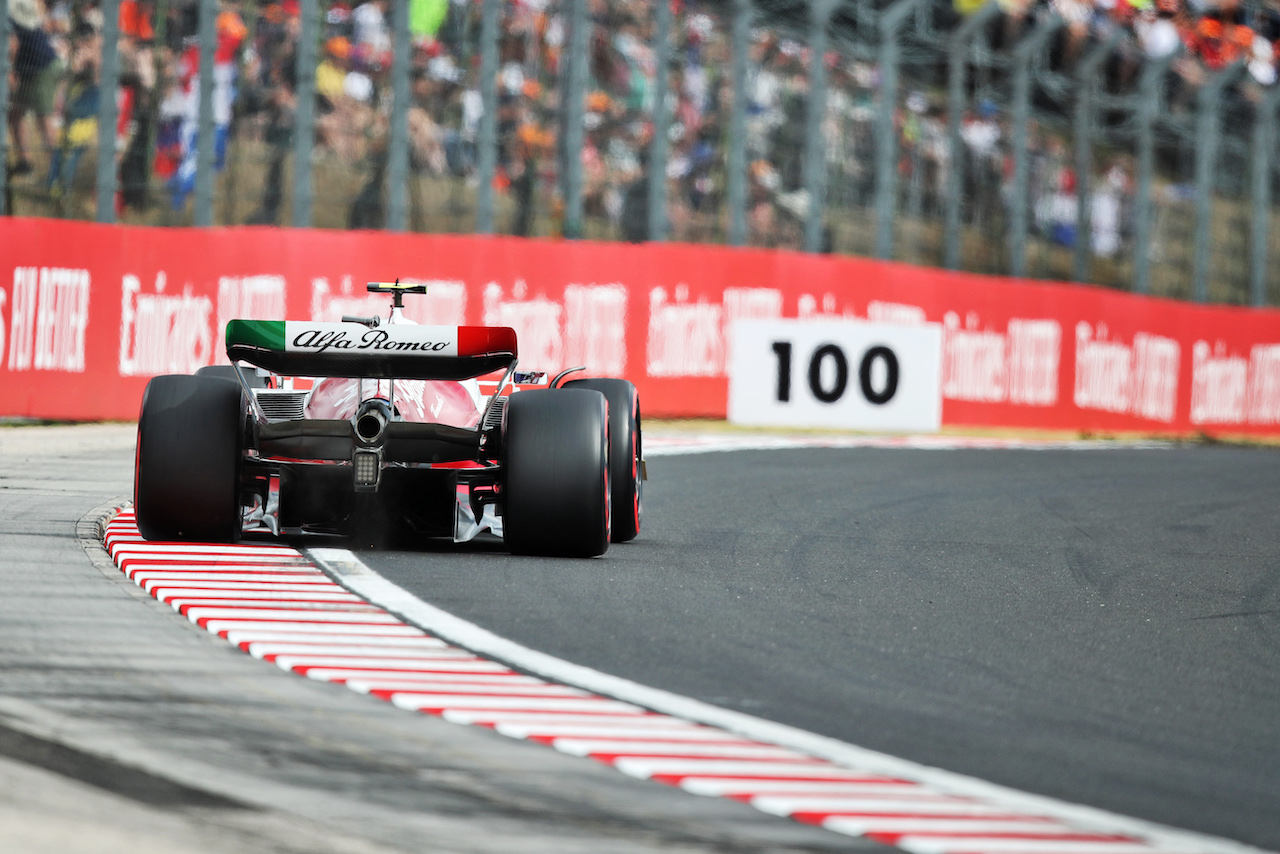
[89, 312]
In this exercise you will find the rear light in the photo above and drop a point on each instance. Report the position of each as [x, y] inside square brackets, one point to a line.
[367, 468]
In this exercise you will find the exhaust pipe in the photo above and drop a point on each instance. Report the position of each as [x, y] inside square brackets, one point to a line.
[371, 422]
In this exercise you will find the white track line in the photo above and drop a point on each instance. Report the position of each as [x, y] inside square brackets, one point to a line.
[276, 605]
[673, 444]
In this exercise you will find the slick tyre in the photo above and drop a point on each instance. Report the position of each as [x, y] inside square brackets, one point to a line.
[625, 481]
[555, 486]
[186, 476]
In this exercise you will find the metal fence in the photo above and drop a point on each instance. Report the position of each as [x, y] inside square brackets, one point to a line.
[1016, 137]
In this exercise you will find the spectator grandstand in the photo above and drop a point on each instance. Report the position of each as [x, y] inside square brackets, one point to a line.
[1180, 48]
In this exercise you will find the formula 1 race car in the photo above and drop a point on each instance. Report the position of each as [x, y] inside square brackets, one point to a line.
[394, 433]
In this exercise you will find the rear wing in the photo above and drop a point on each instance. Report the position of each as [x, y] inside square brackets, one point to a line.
[317, 349]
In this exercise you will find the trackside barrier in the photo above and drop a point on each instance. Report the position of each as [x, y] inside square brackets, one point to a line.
[89, 312]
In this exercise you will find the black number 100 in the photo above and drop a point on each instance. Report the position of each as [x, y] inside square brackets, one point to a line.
[782, 349]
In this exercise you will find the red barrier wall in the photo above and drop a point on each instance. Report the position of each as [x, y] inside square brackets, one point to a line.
[88, 312]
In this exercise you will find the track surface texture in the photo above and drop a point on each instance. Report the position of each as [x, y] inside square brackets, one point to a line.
[1101, 626]
[126, 728]
[1098, 626]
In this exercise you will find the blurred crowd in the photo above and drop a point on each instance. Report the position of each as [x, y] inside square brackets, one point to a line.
[1213, 34]
[55, 62]
[56, 49]
[1196, 38]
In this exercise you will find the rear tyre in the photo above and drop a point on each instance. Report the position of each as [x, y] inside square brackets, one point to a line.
[186, 477]
[555, 463]
[625, 481]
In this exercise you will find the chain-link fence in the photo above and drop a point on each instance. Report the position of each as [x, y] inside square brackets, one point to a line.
[1131, 144]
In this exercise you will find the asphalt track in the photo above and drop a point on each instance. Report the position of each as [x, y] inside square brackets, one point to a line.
[1098, 626]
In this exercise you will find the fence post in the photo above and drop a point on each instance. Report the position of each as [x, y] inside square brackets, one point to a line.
[915, 195]
[957, 83]
[203, 215]
[1086, 81]
[658, 145]
[4, 108]
[487, 133]
[815, 161]
[1208, 137]
[574, 95]
[737, 157]
[304, 132]
[886, 134]
[1150, 105]
[398, 144]
[109, 79]
[1264, 142]
[1023, 55]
